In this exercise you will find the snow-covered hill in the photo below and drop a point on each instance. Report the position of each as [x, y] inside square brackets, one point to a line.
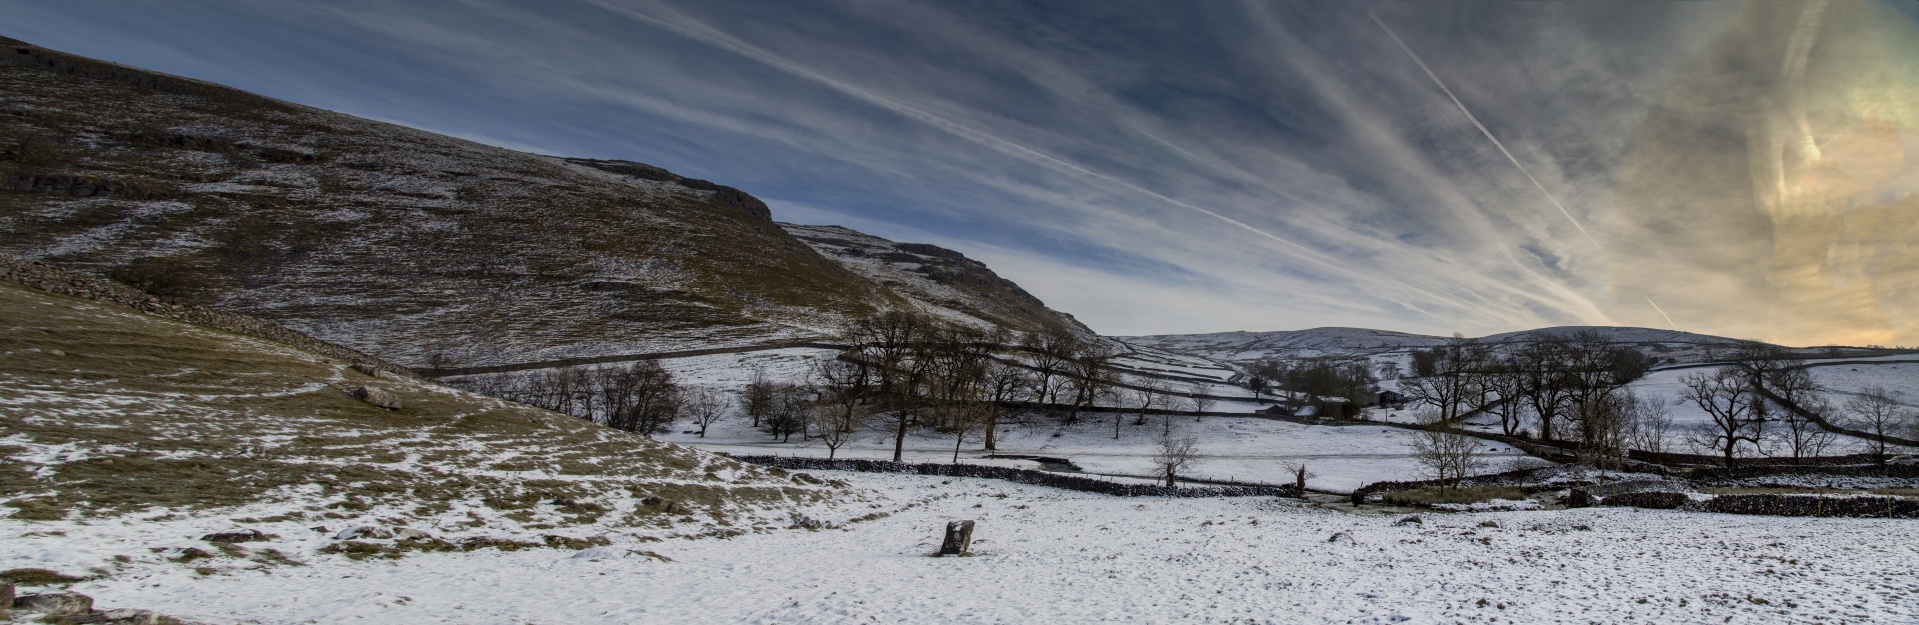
[1670, 346]
[939, 281]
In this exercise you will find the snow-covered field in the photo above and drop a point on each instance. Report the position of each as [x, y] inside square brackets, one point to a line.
[1249, 449]
[1048, 556]
[1837, 383]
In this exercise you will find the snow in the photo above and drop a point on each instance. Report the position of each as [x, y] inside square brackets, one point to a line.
[1339, 458]
[1048, 556]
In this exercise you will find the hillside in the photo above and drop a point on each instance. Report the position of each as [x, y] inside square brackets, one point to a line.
[106, 412]
[424, 249]
[945, 283]
[1668, 345]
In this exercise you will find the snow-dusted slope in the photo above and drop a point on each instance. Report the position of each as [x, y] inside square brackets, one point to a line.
[427, 249]
[939, 281]
[1666, 345]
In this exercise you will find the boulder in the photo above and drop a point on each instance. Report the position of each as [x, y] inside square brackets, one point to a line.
[377, 397]
[363, 531]
[959, 537]
[242, 536]
[121, 616]
[55, 603]
[404, 533]
[1491, 524]
[663, 505]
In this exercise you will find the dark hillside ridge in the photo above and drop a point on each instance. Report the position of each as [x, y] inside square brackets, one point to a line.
[423, 249]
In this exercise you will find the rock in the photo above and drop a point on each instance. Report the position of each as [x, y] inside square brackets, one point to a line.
[377, 397]
[363, 531]
[1341, 537]
[1579, 499]
[404, 533]
[242, 536]
[320, 528]
[55, 352]
[664, 505]
[1491, 524]
[121, 616]
[56, 603]
[959, 537]
[1410, 520]
[367, 368]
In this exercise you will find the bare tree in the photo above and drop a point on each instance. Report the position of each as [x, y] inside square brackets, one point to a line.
[1002, 383]
[1447, 456]
[1876, 412]
[641, 397]
[1258, 385]
[836, 420]
[1147, 393]
[1199, 400]
[1737, 416]
[758, 396]
[1175, 454]
[1453, 380]
[1651, 424]
[1300, 474]
[1800, 409]
[706, 406]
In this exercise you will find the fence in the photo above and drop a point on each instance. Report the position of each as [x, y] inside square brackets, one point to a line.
[1018, 476]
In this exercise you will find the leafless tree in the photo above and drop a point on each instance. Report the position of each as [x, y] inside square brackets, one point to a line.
[758, 396]
[1737, 415]
[706, 406]
[836, 420]
[641, 397]
[1446, 455]
[1876, 412]
[1300, 474]
[1175, 454]
[1651, 424]
[1453, 380]
[1200, 401]
[1003, 382]
[1146, 394]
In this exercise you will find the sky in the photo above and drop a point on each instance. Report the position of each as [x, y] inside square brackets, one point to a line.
[1731, 168]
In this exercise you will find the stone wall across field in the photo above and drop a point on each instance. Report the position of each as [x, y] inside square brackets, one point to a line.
[1813, 505]
[89, 287]
[1020, 476]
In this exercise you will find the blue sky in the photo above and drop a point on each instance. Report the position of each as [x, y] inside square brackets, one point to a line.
[1150, 167]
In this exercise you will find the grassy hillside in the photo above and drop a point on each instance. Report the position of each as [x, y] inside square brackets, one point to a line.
[105, 411]
[418, 247]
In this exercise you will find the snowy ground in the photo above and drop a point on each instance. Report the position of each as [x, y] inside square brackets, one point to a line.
[1339, 458]
[1049, 556]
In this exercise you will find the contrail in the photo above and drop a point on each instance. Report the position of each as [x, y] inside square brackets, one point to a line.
[701, 32]
[1662, 313]
[1483, 130]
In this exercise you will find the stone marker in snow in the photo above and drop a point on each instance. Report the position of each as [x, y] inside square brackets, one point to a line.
[363, 531]
[57, 603]
[377, 397]
[959, 536]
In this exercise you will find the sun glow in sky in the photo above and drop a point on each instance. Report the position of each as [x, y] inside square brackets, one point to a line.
[1745, 169]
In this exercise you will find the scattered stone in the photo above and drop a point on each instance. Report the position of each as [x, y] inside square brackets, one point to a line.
[122, 616]
[1491, 524]
[55, 603]
[664, 505]
[1410, 520]
[363, 531]
[959, 537]
[367, 368]
[404, 533]
[377, 397]
[242, 536]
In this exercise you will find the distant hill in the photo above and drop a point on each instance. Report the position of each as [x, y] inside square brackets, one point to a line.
[944, 283]
[421, 248]
[1667, 345]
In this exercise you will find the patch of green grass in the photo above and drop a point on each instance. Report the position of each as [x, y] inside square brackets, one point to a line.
[37, 577]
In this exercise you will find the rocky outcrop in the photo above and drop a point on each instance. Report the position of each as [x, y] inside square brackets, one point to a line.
[377, 397]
